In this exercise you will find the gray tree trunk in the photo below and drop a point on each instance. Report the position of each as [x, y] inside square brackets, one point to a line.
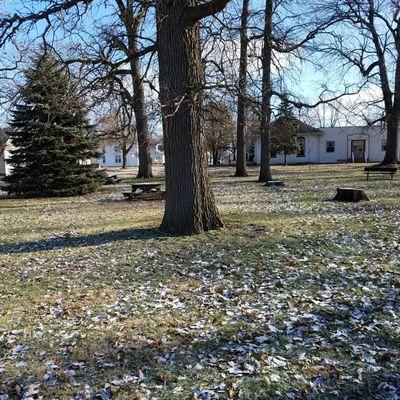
[391, 100]
[241, 169]
[124, 158]
[392, 122]
[189, 204]
[139, 108]
[215, 155]
[132, 24]
[265, 164]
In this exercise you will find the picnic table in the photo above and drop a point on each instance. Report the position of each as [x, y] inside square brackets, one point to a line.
[380, 170]
[146, 187]
[145, 190]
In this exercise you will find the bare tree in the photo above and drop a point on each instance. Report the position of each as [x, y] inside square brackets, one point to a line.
[326, 115]
[118, 127]
[289, 27]
[114, 57]
[132, 21]
[218, 129]
[266, 93]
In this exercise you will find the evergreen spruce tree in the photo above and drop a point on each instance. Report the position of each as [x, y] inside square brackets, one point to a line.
[283, 131]
[51, 136]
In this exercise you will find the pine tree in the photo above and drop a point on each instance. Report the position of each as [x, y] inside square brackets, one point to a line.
[283, 131]
[51, 136]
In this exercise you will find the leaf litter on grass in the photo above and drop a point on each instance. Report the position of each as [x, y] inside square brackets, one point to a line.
[307, 307]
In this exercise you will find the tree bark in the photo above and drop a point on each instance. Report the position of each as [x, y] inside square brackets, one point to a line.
[391, 100]
[241, 169]
[265, 165]
[215, 155]
[189, 204]
[124, 158]
[392, 123]
[139, 108]
[286, 159]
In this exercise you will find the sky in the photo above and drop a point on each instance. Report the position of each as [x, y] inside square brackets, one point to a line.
[301, 78]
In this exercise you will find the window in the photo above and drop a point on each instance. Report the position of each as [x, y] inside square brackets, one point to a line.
[117, 149]
[301, 141]
[384, 144]
[330, 146]
[104, 155]
[272, 154]
[118, 158]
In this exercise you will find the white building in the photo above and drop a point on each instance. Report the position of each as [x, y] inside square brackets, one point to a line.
[5, 146]
[335, 145]
[112, 156]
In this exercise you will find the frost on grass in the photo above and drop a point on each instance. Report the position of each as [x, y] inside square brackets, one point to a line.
[298, 298]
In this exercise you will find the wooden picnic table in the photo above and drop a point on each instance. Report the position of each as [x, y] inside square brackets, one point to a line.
[146, 187]
[145, 191]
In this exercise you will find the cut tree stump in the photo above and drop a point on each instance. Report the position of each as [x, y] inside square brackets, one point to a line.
[350, 194]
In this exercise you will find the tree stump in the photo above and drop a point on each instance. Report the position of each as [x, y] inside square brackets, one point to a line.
[350, 194]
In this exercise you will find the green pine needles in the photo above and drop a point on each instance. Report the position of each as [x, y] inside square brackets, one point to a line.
[51, 137]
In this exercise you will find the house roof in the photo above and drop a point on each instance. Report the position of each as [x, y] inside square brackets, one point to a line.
[299, 127]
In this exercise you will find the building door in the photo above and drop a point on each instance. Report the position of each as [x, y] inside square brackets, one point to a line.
[358, 150]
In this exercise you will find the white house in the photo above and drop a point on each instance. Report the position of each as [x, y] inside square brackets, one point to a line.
[335, 145]
[5, 146]
[112, 156]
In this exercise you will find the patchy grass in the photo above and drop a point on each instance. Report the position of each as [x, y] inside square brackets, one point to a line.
[298, 297]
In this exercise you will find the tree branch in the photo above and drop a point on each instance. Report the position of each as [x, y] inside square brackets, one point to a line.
[196, 13]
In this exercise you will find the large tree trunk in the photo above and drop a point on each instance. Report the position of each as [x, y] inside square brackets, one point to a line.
[241, 169]
[392, 122]
[265, 165]
[189, 203]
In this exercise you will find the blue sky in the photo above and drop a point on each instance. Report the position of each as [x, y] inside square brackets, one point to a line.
[305, 83]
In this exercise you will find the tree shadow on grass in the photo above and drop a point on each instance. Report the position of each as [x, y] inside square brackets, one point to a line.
[98, 239]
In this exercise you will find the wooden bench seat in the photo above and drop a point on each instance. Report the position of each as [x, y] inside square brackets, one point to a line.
[378, 170]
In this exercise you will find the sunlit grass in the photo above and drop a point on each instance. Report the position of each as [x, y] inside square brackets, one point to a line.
[298, 292]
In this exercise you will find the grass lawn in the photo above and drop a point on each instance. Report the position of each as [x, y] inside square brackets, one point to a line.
[297, 298]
